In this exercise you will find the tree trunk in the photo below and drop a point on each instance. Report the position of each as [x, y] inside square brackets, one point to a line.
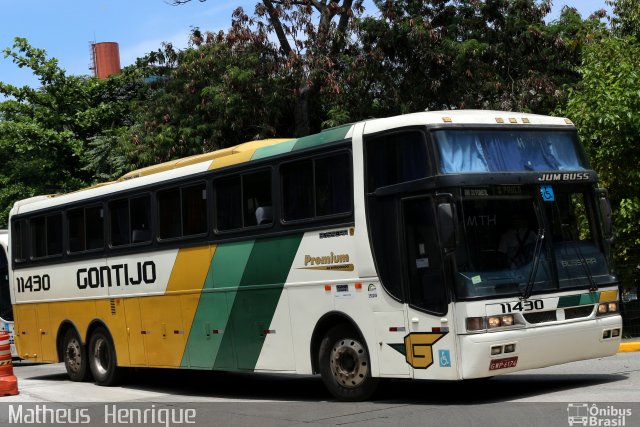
[301, 113]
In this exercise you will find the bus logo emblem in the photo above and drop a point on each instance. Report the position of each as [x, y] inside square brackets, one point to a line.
[419, 348]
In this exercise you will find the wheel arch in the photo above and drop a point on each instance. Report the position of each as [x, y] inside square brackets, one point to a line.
[324, 324]
[65, 326]
[95, 324]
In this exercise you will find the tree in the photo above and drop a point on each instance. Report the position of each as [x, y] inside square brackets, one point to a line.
[44, 132]
[318, 30]
[626, 18]
[223, 90]
[605, 106]
[435, 54]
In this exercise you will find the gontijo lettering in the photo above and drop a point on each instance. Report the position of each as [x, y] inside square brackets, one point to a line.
[116, 275]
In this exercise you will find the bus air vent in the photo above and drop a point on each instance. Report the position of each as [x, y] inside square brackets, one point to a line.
[578, 312]
[541, 316]
[112, 302]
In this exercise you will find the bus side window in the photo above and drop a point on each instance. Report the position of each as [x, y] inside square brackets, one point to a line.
[169, 213]
[20, 240]
[228, 203]
[119, 215]
[395, 158]
[194, 210]
[85, 228]
[130, 220]
[46, 235]
[256, 192]
[297, 190]
[316, 188]
[140, 217]
[238, 199]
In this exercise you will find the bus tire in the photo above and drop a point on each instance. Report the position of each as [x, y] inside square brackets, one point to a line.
[102, 359]
[75, 357]
[345, 365]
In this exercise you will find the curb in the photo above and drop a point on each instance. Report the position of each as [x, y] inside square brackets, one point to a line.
[629, 346]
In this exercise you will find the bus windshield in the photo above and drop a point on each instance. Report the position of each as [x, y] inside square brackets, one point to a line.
[512, 240]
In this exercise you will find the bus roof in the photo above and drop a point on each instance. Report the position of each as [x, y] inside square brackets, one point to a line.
[254, 150]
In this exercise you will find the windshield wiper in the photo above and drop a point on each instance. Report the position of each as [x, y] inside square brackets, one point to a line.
[587, 271]
[536, 261]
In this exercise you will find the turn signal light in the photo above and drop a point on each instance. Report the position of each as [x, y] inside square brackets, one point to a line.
[475, 323]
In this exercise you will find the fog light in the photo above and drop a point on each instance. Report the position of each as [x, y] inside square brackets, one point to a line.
[496, 350]
[509, 348]
[475, 323]
[602, 308]
[507, 320]
[615, 333]
[494, 322]
[612, 307]
[606, 334]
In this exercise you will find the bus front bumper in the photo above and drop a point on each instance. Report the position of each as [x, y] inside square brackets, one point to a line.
[537, 347]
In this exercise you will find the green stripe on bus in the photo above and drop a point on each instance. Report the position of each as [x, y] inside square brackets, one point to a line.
[324, 137]
[212, 315]
[579, 299]
[273, 150]
[257, 299]
[228, 265]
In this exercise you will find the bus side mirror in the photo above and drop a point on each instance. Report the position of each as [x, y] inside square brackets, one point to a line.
[605, 214]
[447, 226]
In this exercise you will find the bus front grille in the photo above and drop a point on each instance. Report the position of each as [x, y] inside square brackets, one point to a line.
[541, 316]
[578, 312]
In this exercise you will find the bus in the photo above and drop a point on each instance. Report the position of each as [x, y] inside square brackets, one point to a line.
[6, 313]
[435, 245]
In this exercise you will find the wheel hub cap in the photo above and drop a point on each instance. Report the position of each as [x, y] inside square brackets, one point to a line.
[349, 363]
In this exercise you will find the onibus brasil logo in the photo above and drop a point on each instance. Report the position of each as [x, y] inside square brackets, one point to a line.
[593, 415]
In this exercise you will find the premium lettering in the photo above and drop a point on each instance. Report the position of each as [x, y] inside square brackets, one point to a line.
[324, 260]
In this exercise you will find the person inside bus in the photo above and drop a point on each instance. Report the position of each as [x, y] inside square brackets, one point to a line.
[517, 240]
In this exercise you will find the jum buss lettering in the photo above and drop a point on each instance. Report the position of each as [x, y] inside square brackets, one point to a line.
[116, 275]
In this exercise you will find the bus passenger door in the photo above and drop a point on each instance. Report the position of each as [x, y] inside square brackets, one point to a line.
[429, 344]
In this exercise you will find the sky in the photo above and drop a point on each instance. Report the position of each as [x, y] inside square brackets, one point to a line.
[65, 28]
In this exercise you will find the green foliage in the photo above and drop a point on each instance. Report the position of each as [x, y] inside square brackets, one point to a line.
[217, 93]
[605, 106]
[43, 132]
[626, 19]
[432, 54]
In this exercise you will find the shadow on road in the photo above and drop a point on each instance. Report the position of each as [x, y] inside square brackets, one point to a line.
[231, 385]
[196, 385]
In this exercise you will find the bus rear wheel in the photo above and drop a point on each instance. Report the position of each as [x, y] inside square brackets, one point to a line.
[102, 359]
[74, 355]
[345, 365]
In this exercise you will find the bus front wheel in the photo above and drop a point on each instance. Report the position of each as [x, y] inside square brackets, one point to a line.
[102, 359]
[345, 365]
[75, 357]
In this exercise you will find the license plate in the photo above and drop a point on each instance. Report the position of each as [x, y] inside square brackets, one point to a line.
[509, 362]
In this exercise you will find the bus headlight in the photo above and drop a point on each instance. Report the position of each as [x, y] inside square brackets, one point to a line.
[476, 324]
[500, 321]
[608, 308]
[507, 320]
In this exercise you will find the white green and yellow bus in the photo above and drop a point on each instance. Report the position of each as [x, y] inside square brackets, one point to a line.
[6, 313]
[437, 245]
